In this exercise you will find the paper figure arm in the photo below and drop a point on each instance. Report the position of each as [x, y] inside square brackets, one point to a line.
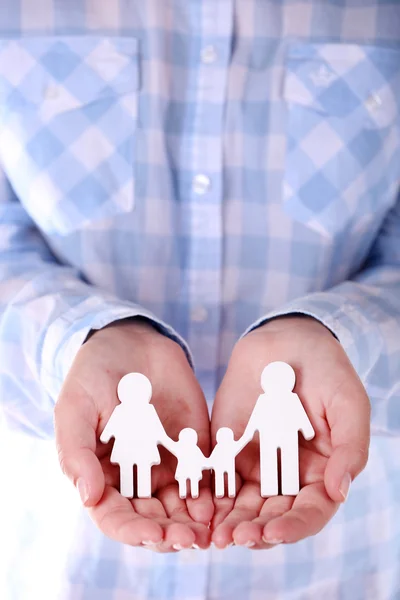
[248, 434]
[240, 444]
[168, 443]
[304, 422]
[210, 460]
[162, 436]
[109, 430]
[205, 461]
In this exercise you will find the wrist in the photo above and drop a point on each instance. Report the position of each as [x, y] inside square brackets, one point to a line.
[137, 324]
[296, 322]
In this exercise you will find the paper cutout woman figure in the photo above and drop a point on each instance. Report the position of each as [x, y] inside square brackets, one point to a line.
[222, 460]
[137, 430]
[191, 462]
[278, 416]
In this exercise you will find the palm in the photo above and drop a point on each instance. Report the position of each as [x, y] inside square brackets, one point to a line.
[324, 379]
[183, 522]
[89, 398]
[245, 518]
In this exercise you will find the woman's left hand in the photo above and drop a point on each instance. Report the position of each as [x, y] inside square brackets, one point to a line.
[338, 407]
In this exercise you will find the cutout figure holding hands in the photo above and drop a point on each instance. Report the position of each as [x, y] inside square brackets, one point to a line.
[191, 462]
[222, 460]
[137, 430]
[278, 416]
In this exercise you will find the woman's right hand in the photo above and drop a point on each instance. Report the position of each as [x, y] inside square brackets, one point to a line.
[164, 522]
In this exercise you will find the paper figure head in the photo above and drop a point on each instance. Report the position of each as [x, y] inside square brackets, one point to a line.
[188, 435]
[224, 434]
[134, 386]
[278, 376]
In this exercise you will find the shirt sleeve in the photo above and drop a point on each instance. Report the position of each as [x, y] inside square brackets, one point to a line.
[46, 312]
[364, 314]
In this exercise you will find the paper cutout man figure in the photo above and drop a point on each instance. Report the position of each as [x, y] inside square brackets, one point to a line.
[222, 460]
[191, 462]
[278, 416]
[137, 430]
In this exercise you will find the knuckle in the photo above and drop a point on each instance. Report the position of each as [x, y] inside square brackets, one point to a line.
[62, 460]
[359, 457]
[64, 463]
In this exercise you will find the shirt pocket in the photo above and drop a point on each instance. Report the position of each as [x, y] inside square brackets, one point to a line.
[68, 118]
[343, 144]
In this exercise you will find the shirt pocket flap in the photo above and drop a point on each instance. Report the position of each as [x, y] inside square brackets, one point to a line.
[56, 75]
[343, 80]
[68, 119]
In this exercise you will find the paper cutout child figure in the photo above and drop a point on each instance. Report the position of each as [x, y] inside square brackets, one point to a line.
[222, 460]
[278, 416]
[137, 430]
[191, 462]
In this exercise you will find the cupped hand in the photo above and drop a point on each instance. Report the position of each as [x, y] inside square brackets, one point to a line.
[339, 409]
[164, 522]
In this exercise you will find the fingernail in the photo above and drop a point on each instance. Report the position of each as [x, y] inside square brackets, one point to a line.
[83, 490]
[177, 547]
[195, 547]
[250, 544]
[345, 485]
[149, 543]
[273, 541]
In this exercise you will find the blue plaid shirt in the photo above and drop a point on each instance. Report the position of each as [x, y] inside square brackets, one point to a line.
[207, 165]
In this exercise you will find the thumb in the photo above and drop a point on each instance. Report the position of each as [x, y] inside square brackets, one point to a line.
[75, 420]
[349, 420]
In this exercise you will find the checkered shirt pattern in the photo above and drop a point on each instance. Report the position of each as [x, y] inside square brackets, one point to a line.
[207, 165]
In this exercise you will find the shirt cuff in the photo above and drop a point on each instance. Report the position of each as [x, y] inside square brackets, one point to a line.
[66, 335]
[352, 323]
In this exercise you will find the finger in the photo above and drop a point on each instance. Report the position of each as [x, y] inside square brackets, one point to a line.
[152, 508]
[311, 511]
[75, 420]
[246, 508]
[181, 531]
[249, 533]
[348, 416]
[223, 506]
[117, 518]
[201, 509]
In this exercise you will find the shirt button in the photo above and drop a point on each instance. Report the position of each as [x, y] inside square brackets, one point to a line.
[201, 184]
[208, 55]
[322, 77]
[373, 102]
[199, 314]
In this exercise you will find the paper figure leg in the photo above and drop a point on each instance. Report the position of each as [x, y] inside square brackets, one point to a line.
[182, 487]
[194, 488]
[290, 468]
[219, 484]
[144, 481]
[231, 483]
[269, 470]
[126, 480]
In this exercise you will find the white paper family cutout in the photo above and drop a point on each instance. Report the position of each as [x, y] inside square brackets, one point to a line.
[278, 416]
